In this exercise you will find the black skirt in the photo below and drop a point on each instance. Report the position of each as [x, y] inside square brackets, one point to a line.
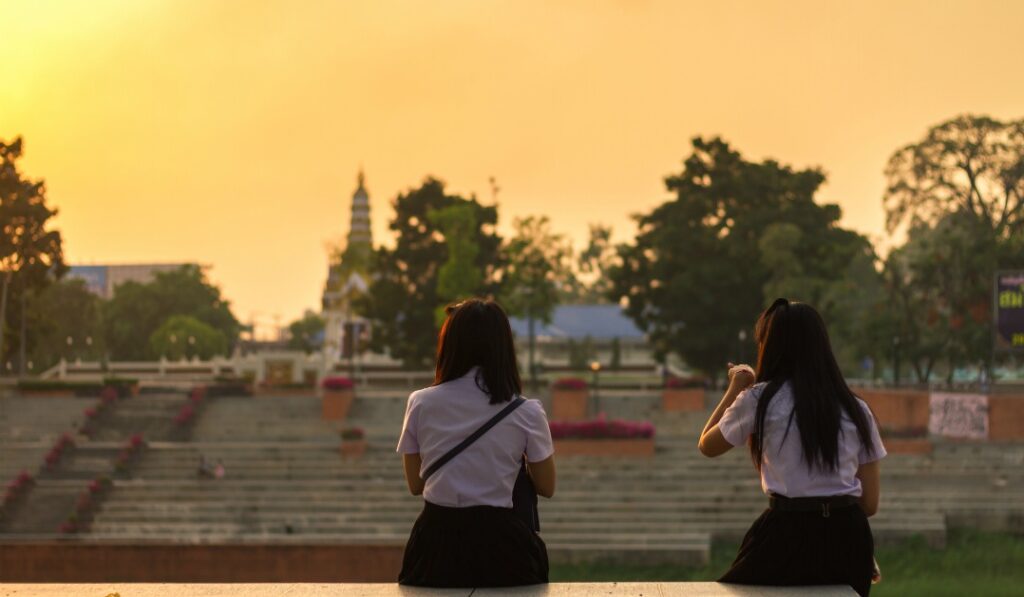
[478, 546]
[805, 548]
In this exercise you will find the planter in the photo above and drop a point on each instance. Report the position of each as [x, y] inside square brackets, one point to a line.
[336, 404]
[642, 448]
[682, 400]
[569, 405]
[908, 445]
[353, 448]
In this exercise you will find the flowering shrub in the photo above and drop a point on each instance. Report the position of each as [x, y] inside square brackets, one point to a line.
[337, 383]
[58, 449]
[185, 415]
[17, 487]
[680, 383]
[86, 505]
[197, 394]
[109, 394]
[602, 428]
[569, 383]
[353, 433]
[128, 452]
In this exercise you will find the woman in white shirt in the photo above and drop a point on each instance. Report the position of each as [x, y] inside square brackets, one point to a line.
[468, 534]
[817, 448]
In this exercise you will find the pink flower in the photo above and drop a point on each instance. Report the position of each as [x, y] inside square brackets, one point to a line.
[569, 383]
[600, 428]
[337, 383]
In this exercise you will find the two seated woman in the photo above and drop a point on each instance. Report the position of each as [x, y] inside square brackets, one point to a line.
[470, 443]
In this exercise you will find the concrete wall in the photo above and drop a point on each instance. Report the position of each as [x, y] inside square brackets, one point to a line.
[104, 562]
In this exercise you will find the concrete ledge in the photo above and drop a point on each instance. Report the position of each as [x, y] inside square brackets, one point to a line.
[660, 589]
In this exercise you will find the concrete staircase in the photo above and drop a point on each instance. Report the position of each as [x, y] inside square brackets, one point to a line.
[286, 482]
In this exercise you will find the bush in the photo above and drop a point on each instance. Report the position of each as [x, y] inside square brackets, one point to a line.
[337, 383]
[601, 428]
[569, 383]
[78, 388]
[684, 383]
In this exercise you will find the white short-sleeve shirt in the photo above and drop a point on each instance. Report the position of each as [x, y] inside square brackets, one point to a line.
[440, 417]
[783, 469]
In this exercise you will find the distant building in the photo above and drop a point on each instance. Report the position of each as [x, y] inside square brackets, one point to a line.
[348, 277]
[585, 332]
[103, 279]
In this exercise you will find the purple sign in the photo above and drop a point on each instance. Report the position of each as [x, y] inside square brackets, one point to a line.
[1009, 315]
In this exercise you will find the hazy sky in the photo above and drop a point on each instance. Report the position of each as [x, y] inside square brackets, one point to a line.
[230, 133]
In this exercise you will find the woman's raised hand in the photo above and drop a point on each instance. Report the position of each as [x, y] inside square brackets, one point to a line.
[741, 376]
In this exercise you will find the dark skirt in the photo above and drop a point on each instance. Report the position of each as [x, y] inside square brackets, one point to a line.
[805, 548]
[478, 546]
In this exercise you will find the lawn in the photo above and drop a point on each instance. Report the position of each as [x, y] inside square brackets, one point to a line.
[973, 563]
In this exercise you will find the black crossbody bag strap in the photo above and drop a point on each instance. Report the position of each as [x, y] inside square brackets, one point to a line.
[516, 403]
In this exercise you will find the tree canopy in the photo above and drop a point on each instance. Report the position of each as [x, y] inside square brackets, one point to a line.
[697, 274]
[185, 337]
[404, 293]
[137, 310]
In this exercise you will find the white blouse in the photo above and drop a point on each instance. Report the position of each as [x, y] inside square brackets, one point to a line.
[440, 417]
[784, 470]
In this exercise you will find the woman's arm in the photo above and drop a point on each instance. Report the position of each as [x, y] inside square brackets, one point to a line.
[870, 484]
[543, 475]
[412, 464]
[712, 443]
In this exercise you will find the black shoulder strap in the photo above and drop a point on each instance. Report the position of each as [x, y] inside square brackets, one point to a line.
[516, 402]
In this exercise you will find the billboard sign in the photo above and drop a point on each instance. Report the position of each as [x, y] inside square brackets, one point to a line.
[1009, 310]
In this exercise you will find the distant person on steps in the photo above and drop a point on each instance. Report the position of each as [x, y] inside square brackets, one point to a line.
[817, 448]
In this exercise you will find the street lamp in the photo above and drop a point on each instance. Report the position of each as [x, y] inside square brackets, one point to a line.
[896, 360]
[743, 345]
[595, 366]
[191, 345]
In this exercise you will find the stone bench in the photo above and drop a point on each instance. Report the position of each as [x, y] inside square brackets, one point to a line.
[630, 589]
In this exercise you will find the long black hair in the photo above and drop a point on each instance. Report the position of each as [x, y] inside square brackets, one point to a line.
[793, 346]
[477, 333]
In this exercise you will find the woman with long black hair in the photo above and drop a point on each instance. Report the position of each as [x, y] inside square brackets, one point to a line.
[470, 443]
[817, 448]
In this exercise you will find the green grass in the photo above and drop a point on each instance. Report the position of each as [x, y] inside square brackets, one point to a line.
[973, 563]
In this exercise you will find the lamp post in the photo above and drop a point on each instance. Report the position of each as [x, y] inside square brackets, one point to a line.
[191, 346]
[595, 366]
[896, 361]
[743, 346]
[70, 341]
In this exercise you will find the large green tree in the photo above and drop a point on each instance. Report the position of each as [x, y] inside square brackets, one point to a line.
[698, 272]
[137, 310]
[66, 309]
[958, 193]
[972, 165]
[536, 269]
[404, 293]
[31, 255]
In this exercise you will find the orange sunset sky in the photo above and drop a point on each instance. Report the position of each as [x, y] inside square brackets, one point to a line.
[231, 132]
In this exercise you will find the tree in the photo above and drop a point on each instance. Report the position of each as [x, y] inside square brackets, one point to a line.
[592, 284]
[137, 310]
[969, 164]
[185, 337]
[960, 194]
[66, 309]
[30, 254]
[696, 276]
[459, 276]
[306, 333]
[404, 295]
[536, 269]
